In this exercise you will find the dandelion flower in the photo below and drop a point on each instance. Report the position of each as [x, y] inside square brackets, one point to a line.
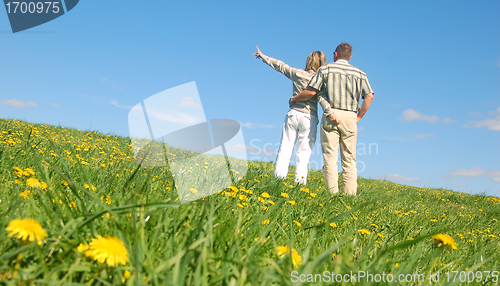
[25, 194]
[26, 229]
[265, 195]
[296, 258]
[291, 202]
[364, 231]
[33, 182]
[285, 195]
[282, 250]
[374, 225]
[109, 249]
[333, 224]
[82, 247]
[443, 239]
[297, 223]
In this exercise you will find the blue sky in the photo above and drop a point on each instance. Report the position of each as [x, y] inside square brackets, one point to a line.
[434, 67]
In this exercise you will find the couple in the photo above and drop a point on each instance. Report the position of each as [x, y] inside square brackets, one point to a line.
[338, 87]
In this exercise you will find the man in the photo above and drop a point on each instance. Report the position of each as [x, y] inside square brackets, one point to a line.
[343, 85]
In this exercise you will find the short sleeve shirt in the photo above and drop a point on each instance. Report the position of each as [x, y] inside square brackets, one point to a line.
[342, 84]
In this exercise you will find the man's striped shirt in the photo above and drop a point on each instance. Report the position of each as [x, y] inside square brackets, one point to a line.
[342, 84]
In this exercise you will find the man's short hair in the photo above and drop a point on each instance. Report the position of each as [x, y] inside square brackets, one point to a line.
[344, 51]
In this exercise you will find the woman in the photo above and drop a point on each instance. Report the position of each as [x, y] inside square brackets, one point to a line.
[302, 118]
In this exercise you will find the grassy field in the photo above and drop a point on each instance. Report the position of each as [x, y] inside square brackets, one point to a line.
[84, 187]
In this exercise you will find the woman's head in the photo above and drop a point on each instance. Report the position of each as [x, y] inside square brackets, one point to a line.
[315, 60]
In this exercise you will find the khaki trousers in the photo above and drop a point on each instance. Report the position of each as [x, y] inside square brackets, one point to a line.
[345, 135]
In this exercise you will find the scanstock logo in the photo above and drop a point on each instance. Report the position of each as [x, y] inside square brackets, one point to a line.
[25, 15]
[204, 156]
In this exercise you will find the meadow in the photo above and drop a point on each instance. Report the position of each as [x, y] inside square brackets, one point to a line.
[77, 209]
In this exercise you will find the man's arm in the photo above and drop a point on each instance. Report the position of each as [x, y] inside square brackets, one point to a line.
[304, 95]
[365, 106]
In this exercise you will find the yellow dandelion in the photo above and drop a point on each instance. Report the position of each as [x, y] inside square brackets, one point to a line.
[285, 195]
[72, 205]
[265, 195]
[240, 205]
[109, 249]
[64, 183]
[28, 172]
[313, 195]
[33, 182]
[444, 239]
[267, 221]
[364, 231]
[126, 275]
[333, 224]
[291, 202]
[297, 223]
[25, 194]
[82, 247]
[282, 250]
[296, 258]
[271, 202]
[378, 242]
[374, 225]
[26, 229]
[381, 235]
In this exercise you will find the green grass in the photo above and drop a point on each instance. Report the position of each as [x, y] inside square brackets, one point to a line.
[223, 239]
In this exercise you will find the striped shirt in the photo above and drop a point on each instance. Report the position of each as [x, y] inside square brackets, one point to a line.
[300, 78]
[342, 84]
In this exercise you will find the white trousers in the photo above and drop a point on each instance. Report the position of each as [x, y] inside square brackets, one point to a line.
[300, 127]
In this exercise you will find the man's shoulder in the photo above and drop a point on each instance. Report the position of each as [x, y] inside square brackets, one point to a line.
[343, 67]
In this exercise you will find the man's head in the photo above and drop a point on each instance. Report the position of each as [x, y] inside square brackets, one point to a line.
[343, 52]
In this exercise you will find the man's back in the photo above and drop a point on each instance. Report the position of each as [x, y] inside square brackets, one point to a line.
[342, 84]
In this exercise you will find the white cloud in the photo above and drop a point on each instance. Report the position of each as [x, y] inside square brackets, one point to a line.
[448, 120]
[468, 174]
[492, 124]
[422, 136]
[54, 104]
[189, 102]
[397, 177]
[255, 125]
[413, 115]
[115, 103]
[18, 103]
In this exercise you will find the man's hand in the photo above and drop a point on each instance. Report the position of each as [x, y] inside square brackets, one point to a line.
[365, 106]
[334, 119]
[291, 102]
[258, 54]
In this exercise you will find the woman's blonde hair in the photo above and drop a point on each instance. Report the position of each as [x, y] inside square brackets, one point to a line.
[315, 60]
